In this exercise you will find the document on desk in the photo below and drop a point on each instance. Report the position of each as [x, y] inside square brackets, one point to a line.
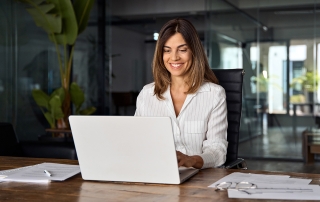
[260, 178]
[278, 191]
[44, 172]
[259, 186]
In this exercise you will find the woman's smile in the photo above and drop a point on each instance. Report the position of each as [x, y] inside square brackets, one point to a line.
[176, 65]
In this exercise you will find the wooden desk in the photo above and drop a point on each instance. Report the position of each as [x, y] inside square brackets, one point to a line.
[311, 144]
[76, 189]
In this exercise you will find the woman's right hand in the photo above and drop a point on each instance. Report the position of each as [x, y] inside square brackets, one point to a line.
[189, 161]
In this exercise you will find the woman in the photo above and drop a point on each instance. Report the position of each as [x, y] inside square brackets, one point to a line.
[186, 90]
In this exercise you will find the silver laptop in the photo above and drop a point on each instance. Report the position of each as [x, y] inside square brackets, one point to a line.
[127, 149]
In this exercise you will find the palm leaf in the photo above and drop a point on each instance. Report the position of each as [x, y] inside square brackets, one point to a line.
[77, 95]
[50, 119]
[40, 12]
[41, 98]
[59, 92]
[82, 10]
[69, 32]
[55, 106]
[88, 111]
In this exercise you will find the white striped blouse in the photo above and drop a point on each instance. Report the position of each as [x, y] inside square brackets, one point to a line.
[200, 128]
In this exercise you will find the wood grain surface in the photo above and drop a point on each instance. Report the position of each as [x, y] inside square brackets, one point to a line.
[76, 189]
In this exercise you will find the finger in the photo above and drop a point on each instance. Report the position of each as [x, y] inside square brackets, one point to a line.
[187, 162]
[179, 155]
[181, 163]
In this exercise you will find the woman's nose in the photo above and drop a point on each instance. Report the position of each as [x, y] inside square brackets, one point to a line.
[175, 56]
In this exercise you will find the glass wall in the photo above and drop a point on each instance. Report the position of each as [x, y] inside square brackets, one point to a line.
[29, 61]
[8, 61]
[276, 42]
[278, 47]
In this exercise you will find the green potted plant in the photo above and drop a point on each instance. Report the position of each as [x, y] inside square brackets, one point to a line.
[63, 20]
[306, 84]
[308, 81]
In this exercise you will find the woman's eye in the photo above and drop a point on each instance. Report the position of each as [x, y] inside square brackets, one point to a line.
[166, 51]
[183, 50]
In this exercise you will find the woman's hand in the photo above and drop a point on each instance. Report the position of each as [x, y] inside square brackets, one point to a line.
[189, 161]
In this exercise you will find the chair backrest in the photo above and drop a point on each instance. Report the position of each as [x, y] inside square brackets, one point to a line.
[9, 145]
[231, 80]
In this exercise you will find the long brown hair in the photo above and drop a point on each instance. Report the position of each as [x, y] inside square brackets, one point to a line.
[199, 70]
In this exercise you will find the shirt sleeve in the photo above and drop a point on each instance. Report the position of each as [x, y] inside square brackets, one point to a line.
[215, 145]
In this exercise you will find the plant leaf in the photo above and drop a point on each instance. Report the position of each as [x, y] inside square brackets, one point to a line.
[82, 10]
[55, 107]
[59, 92]
[49, 119]
[77, 96]
[51, 23]
[69, 33]
[41, 98]
[45, 8]
[88, 111]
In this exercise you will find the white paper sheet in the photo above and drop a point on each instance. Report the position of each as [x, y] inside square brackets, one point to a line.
[260, 178]
[5, 173]
[279, 191]
[59, 172]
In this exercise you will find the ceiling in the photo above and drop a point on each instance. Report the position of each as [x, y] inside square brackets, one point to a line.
[240, 20]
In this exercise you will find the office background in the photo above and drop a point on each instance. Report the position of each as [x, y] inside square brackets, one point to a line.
[275, 41]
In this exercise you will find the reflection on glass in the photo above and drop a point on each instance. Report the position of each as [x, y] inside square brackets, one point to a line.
[303, 78]
[231, 57]
[269, 81]
[276, 69]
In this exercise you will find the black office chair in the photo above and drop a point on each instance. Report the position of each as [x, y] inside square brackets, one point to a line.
[9, 146]
[231, 80]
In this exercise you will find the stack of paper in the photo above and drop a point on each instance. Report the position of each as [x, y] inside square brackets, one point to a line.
[44, 172]
[270, 187]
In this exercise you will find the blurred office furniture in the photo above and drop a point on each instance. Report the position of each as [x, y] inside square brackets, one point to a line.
[295, 114]
[10, 146]
[56, 135]
[231, 80]
[253, 115]
[124, 100]
[311, 144]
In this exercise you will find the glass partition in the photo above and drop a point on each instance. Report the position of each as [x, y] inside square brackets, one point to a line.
[277, 46]
[7, 66]
[275, 42]
[29, 61]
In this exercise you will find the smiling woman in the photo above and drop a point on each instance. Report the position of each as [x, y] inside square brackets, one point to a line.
[186, 90]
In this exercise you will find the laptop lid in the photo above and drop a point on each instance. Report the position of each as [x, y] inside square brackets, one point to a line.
[125, 148]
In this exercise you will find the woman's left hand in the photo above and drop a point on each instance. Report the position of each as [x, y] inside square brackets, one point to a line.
[189, 161]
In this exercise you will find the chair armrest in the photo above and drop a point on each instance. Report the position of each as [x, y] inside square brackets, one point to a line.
[237, 164]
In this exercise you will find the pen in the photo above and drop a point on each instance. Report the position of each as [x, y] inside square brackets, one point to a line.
[47, 173]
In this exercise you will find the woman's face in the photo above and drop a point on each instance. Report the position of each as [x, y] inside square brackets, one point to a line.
[177, 56]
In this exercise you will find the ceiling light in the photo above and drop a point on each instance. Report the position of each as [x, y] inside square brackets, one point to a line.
[155, 36]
